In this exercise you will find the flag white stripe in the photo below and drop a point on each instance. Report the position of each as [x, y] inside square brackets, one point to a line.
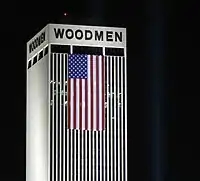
[83, 104]
[77, 103]
[89, 96]
[71, 103]
[89, 120]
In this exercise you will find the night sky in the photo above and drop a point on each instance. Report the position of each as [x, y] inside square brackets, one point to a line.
[163, 72]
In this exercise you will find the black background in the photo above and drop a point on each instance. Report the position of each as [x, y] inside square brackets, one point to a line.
[21, 20]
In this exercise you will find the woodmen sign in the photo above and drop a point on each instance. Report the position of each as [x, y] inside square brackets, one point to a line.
[87, 35]
[77, 35]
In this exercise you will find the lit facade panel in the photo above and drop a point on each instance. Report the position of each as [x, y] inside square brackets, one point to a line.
[37, 129]
[76, 154]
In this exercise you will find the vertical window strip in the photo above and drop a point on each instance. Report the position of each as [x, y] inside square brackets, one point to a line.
[70, 154]
[93, 155]
[87, 157]
[60, 118]
[90, 155]
[105, 118]
[122, 117]
[125, 129]
[100, 156]
[73, 153]
[118, 118]
[64, 125]
[89, 171]
[79, 153]
[54, 122]
[103, 155]
[106, 124]
[115, 119]
[66, 120]
[51, 116]
[116, 108]
[84, 155]
[97, 156]
[74, 171]
[57, 118]
[111, 115]
[58, 115]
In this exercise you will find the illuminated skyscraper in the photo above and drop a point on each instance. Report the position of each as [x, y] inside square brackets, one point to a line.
[77, 104]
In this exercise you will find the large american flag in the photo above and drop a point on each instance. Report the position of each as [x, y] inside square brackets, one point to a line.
[86, 92]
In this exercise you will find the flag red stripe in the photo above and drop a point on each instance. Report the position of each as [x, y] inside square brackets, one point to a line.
[69, 102]
[74, 104]
[80, 104]
[91, 87]
[97, 91]
[86, 104]
[102, 92]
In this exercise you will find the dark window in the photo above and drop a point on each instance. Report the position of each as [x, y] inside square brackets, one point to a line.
[29, 64]
[45, 50]
[40, 55]
[60, 48]
[87, 50]
[114, 51]
[120, 73]
[34, 59]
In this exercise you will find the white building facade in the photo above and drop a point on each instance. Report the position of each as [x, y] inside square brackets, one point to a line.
[56, 151]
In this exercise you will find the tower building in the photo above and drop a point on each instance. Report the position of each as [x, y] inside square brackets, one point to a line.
[77, 104]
